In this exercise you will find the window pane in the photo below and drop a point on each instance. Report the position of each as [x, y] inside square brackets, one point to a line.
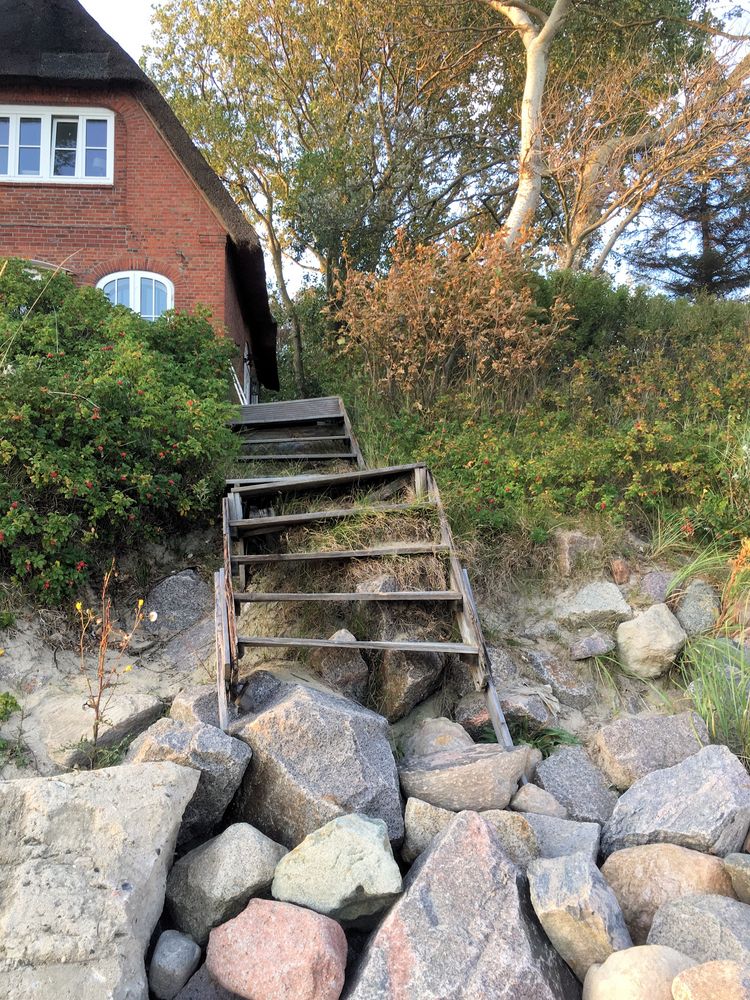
[110, 290]
[96, 163]
[29, 152]
[96, 134]
[147, 298]
[4, 131]
[66, 135]
[30, 132]
[160, 297]
[123, 291]
[28, 160]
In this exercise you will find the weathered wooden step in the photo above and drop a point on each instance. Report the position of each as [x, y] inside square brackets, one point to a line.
[405, 646]
[294, 440]
[297, 411]
[264, 525]
[300, 456]
[321, 481]
[422, 596]
[381, 552]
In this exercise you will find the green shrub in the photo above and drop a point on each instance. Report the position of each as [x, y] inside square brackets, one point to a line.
[111, 427]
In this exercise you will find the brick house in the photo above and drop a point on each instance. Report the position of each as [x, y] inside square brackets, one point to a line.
[97, 174]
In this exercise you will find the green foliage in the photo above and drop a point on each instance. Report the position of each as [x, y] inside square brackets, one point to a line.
[717, 676]
[8, 706]
[7, 619]
[545, 740]
[111, 427]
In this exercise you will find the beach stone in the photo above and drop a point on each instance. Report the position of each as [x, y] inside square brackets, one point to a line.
[596, 644]
[202, 987]
[570, 684]
[572, 547]
[631, 747]
[645, 878]
[345, 870]
[557, 837]
[402, 679]
[655, 585]
[713, 981]
[472, 714]
[84, 861]
[699, 608]
[648, 645]
[702, 803]
[345, 669]
[737, 867]
[464, 929]
[422, 823]
[708, 928]
[577, 784]
[436, 736]
[278, 951]
[179, 602]
[214, 883]
[641, 973]
[525, 707]
[578, 910]
[220, 760]
[532, 799]
[316, 756]
[478, 777]
[175, 959]
[597, 604]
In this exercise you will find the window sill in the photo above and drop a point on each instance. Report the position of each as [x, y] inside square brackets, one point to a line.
[59, 181]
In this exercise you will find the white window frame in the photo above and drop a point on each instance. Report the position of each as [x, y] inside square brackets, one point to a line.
[135, 287]
[48, 116]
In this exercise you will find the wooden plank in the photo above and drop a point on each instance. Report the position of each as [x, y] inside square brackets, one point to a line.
[291, 411]
[405, 646]
[222, 647]
[421, 596]
[331, 456]
[263, 525]
[295, 440]
[397, 549]
[352, 437]
[321, 480]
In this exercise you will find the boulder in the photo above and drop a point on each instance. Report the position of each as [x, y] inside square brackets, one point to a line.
[596, 644]
[220, 760]
[597, 605]
[631, 747]
[175, 959]
[655, 585]
[472, 714]
[84, 862]
[577, 784]
[648, 645]
[702, 803]
[403, 679]
[267, 684]
[699, 608]
[202, 987]
[345, 669]
[422, 823]
[643, 973]
[707, 928]
[516, 835]
[713, 981]
[196, 705]
[557, 837]
[644, 878]
[345, 870]
[317, 756]
[737, 867]
[214, 883]
[278, 952]
[573, 547]
[578, 910]
[179, 601]
[464, 929]
[478, 777]
[570, 684]
[532, 799]
[435, 736]
[524, 705]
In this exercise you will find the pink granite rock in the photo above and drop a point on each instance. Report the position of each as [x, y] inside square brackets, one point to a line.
[278, 951]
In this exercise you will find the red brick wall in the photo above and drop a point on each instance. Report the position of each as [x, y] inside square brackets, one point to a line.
[154, 218]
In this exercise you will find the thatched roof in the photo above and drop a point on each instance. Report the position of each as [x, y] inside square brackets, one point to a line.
[58, 42]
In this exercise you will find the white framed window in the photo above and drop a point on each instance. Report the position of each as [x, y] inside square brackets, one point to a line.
[56, 145]
[142, 291]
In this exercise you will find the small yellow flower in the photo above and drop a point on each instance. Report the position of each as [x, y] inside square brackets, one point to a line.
[140, 603]
[128, 668]
[2, 652]
[79, 607]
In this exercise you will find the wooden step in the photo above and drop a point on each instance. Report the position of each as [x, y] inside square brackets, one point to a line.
[297, 411]
[422, 596]
[295, 484]
[264, 525]
[405, 646]
[397, 549]
[329, 456]
[294, 440]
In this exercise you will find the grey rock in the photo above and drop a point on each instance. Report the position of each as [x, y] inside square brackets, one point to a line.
[422, 823]
[648, 645]
[436, 736]
[544, 629]
[203, 987]
[463, 929]
[559, 837]
[640, 973]
[194, 648]
[699, 608]
[502, 665]
[478, 777]
[596, 604]
[737, 867]
[702, 803]
[268, 684]
[707, 928]
[578, 910]
[84, 865]
[196, 705]
[631, 747]
[516, 835]
[524, 706]
[532, 799]
[384, 583]
[403, 679]
[574, 547]
[179, 602]
[570, 683]
[578, 784]
[472, 714]
[596, 644]
[655, 585]
[317, 756]
[220, 760]
[344, 870]
[176, 957]
[345, 670]
[213, 883]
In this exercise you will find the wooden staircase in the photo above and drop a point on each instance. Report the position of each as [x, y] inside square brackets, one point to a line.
[260, 529]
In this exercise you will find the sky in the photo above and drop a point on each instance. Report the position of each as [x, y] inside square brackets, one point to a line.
[128, 23]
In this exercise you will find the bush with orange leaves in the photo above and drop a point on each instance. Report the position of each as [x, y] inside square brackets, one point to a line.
[444, 316]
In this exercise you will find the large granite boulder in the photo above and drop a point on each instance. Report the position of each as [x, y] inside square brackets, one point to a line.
[707, 928]
[631, 747]
[84, 860]
[570, 682]
[737, 867]
[214, 883]
[645, 878]
[648, 645]
[642, 973]
[597, 604]
[558, 837]
[484, 776]
[345, 870]
[220, 760]
[577, 784]
[702, 803]
[343, 669]
[402, 679]
[532, 799]
[422, 823]
[435, 736]
[713, 981]
[316, 756]
[464, 929]
[699, 608]
[179, 601]
[578, 910]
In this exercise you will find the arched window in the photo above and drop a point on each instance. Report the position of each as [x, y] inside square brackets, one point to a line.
[142, 291]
